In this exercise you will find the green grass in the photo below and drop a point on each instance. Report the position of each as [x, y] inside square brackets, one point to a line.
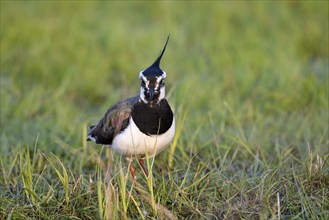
[248, 82]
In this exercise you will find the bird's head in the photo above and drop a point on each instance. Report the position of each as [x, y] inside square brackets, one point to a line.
[152, 81]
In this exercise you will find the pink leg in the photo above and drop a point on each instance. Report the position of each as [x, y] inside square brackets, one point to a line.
[132, 171]
[141, 162]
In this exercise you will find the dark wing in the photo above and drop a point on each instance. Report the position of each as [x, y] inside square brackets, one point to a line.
[115, 120]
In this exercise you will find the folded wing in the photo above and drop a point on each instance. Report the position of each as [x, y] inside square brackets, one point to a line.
[115, 120]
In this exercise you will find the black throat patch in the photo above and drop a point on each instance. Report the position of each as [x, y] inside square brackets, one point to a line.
[153, 120]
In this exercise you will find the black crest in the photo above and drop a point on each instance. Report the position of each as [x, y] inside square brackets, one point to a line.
[154, 69]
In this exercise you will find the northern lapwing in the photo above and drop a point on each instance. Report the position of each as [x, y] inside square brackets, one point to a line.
[141, 125]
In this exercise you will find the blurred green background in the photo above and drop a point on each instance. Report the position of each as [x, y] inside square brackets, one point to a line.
[251, 77]
[64, 63]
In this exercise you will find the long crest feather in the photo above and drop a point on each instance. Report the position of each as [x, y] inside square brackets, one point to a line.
[157, 61]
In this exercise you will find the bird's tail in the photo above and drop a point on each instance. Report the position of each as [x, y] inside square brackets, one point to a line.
[90, 136]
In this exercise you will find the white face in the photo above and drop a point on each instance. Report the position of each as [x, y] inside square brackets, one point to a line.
[152, 89]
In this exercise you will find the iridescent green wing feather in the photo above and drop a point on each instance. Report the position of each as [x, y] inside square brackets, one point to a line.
[115, 120]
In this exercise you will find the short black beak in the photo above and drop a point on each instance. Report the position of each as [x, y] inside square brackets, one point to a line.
[151, 93]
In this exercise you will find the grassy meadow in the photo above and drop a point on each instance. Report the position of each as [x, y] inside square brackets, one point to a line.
[248, 82]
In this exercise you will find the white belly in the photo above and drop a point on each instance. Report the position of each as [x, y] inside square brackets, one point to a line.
[132, 141]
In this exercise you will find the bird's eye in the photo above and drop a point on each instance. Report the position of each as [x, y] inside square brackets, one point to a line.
[161, 82]
[143, 83]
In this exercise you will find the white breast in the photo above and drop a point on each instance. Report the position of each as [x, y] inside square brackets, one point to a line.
[132, 141]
